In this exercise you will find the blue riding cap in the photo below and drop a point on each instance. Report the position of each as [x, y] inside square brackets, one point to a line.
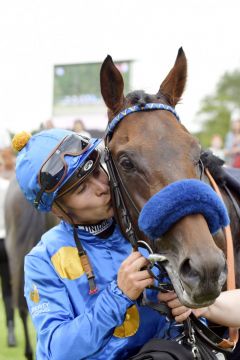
[33, 155]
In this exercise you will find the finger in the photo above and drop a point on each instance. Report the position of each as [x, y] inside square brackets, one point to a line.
[174, 303]
[139, 263]
[183, 317]
[167, 296]
[145, 283]
[131, 258]
[141, 275]
[179, 310]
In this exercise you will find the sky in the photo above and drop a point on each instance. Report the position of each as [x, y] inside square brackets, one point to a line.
[35, 35]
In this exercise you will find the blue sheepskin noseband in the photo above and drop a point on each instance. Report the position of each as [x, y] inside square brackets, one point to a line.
[178, 200]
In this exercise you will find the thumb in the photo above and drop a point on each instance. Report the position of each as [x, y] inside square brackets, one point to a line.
[200, 312]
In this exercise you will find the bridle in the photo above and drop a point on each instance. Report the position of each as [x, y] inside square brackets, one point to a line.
[120, 193]
[125, 222]
[117, 185]
[121, 212]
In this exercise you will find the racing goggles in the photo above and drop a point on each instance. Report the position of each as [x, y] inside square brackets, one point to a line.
[54, 169]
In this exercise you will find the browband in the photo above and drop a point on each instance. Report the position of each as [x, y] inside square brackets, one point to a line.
[136, 108]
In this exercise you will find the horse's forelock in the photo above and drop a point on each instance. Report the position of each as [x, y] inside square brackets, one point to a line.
[140, 97]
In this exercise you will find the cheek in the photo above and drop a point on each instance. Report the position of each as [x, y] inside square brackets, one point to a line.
[79, 201]
[104, 177]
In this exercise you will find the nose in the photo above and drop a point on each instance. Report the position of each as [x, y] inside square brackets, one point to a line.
[100, 183]
[204, 278]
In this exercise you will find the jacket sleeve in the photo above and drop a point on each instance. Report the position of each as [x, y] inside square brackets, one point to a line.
[60, 334]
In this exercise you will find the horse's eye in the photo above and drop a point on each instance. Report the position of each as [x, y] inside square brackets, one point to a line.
[126, 163]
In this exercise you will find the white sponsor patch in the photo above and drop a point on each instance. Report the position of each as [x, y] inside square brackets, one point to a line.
[39, 309]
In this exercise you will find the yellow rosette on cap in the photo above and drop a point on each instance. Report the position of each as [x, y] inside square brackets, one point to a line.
[20, 140]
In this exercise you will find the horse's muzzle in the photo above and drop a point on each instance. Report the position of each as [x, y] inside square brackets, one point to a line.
[203, 282]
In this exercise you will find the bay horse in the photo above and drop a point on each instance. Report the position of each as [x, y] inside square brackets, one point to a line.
[151, 149]
[24, 228]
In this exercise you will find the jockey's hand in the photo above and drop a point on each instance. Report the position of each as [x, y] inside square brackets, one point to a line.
[179, 311]
[130, 279]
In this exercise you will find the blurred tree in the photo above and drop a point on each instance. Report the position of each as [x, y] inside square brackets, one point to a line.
[215, 110]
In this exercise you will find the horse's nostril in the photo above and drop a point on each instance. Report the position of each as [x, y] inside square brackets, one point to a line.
[187, 271]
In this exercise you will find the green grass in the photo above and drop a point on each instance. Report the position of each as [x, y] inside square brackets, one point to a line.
[15, 353]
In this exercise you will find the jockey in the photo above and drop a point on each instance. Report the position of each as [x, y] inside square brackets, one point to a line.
[82, 280]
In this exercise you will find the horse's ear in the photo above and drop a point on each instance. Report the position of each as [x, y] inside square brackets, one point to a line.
[112, 85]
[173, 85]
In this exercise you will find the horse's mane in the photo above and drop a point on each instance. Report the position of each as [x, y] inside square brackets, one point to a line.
[223, 176]
[214, 165]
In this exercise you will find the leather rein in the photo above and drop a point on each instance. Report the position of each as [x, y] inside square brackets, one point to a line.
[125, 222]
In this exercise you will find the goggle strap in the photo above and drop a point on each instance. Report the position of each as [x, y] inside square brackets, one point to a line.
[39, 195]
[87, 268]
[75, 179]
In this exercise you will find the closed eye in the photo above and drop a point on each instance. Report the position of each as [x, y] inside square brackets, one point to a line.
[80, 188]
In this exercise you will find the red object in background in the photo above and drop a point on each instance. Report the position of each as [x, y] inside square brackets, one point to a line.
[236, 161]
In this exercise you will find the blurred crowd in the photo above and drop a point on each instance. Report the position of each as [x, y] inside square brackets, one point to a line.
[7, 164]
[228, 149]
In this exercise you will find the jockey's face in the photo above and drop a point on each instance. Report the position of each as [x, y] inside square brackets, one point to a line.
[90, 202]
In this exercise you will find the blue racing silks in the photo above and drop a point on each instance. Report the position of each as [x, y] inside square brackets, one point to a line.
[71, 324]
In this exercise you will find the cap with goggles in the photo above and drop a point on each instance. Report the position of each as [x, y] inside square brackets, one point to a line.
[53, 161]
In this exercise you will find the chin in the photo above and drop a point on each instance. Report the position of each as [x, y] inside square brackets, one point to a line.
[108, 213]
[111, 212]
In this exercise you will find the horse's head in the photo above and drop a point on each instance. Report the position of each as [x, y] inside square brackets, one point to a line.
[151, 150]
